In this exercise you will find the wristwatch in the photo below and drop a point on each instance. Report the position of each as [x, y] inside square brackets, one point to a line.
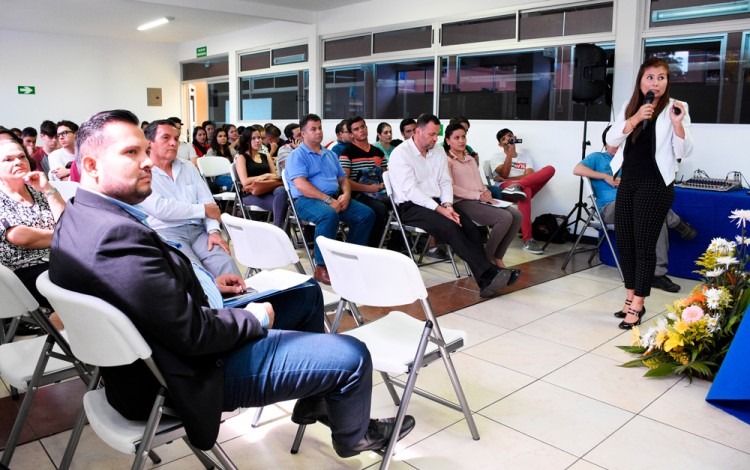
[447, 204]
[328, 200]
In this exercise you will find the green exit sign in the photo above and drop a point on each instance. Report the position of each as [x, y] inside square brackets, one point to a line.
[26, 90]
[201, 51]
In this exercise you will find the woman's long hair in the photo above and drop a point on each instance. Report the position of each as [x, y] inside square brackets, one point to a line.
[221, 150]
[449, 132]
[245, 145]
[636, 100]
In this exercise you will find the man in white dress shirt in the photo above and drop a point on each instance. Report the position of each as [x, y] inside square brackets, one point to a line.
[423, 192]
[181, 208]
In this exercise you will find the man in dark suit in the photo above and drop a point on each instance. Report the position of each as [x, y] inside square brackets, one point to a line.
[212, 359]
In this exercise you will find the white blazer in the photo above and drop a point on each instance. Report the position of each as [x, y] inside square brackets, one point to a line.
[669, 147]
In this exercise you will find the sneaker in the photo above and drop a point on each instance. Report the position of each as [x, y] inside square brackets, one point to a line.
[514, 192]
[686, 231]
[533, 246]
[664, 283]
[438, 252]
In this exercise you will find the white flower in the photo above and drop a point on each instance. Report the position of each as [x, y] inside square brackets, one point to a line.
[712, 324]
[713, 297]
[727, 260]
[742, 216]
[742, 240]
[721, 246]
[715, 272]
[672, 316]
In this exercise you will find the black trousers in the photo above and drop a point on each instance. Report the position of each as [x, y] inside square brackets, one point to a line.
[640, 210]
[381, 217]
[28, 278]
[464, 239]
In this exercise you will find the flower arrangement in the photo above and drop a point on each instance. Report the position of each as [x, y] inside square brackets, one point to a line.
[695, 335]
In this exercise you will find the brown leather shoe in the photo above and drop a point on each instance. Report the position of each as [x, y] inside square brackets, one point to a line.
[321, 275]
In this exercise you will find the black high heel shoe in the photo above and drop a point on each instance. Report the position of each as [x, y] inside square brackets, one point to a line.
[620, 313]
[627, 326]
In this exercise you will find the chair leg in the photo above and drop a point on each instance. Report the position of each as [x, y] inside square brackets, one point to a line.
[75, 434]
[575, 245]
[391, 389]
[614, 254]
[205, 459]
[298, 438]
[406, 397]
[148, 434]
[256, 418]
[223, 458]
[23, 411]
[453, 261]
[459, 392]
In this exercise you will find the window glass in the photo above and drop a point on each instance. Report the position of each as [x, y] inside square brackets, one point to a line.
[566, 22]
[278, 96]
[218, 102]
[529, 85]
[206, 68]
[387, 90]
[402, 40]
[359, 46]
[676, 12]
[485, 29]
[255, 61]
[709, 73]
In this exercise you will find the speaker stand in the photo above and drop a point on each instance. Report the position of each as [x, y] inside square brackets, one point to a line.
[580, 207]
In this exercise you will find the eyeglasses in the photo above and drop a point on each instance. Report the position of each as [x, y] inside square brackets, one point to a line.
[64, 133]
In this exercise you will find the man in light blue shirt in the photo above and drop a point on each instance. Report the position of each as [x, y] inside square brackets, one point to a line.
[181, 208]
[322, 192]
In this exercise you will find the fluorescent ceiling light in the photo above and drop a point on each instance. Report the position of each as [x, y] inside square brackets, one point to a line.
[689, 13]
[155, 23]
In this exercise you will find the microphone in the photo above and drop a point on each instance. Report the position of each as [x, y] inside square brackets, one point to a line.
[649, 98]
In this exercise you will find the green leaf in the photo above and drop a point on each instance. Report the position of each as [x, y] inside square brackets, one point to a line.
[661, 371]
[702, 369]
[633, 349]
[633, 363]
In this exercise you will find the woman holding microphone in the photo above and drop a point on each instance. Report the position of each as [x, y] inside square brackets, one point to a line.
[655, 131]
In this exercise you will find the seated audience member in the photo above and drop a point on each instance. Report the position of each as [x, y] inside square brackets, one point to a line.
[220, 146]
[293, 139]
[210, 128]
[383, 141]
[322, 192]
[343, 137]
[406, 126]
[423, 192]
[144, 125]
[272, 140]
[463, 121]
[213, 360]
[516, 175]
[48, 134]
[29, 208]
[185, 151]
[62, 159]
[28, 138]
[364, 165]
[596, 166]
[200, 141]
[181, 208]
[473, 198]
[16, 132]
[261, 185]
[233, 136]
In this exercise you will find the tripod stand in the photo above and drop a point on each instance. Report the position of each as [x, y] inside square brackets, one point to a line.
[580, 207]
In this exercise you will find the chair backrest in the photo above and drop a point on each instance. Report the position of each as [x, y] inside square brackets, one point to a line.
[214, 166]
[16, 298]
[67, 189]
[371, 276]
[589, 188]
[259, 245]
[98, 333]
[488, 171]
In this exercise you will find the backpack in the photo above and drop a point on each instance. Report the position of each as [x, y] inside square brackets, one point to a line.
[546, 225]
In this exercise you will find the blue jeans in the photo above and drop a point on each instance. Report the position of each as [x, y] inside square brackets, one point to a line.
[358, 216]
[284, 365]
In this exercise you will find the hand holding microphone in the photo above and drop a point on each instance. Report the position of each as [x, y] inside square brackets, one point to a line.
[648, 99]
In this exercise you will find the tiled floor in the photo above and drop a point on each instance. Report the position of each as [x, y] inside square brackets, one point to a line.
[541, 374]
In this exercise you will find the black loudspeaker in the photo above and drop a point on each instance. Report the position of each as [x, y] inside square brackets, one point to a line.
[589, 73]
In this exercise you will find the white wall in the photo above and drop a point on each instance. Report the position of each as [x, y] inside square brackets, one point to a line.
[77, 76]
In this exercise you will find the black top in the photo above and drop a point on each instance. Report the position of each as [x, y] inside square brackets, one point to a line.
[639, 157]
[256, 169]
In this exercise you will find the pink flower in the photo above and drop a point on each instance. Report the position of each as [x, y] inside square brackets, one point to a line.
[692, 314]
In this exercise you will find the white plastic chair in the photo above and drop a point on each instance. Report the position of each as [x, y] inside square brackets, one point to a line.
[299, 223]
[394, 224]
[67, 189]
[238, 192]
[103, 336]
[398, 343]
[29, 364]
[595, 220]
[211, 167]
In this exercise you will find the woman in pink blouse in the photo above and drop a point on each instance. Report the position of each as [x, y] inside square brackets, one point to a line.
[475, 199]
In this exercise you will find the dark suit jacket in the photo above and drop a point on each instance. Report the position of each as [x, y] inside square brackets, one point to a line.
[101, 250]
